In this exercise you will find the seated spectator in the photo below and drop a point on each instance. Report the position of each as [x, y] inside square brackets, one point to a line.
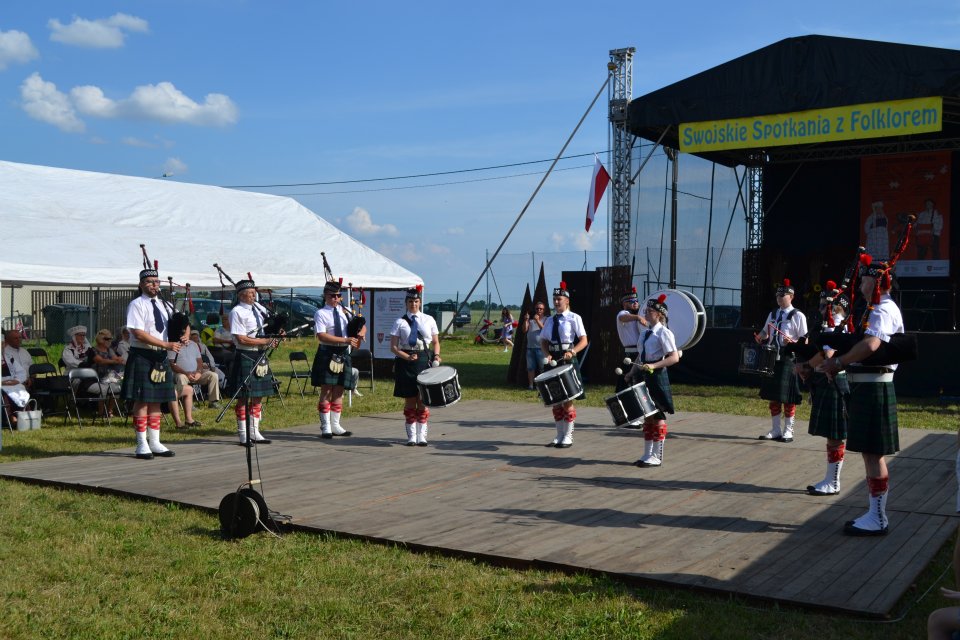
[107, 362]
[13, 379]
[209, 364]
[13, 350]
[222, 348]
[123, 343]
[187, 371]
[79, 354]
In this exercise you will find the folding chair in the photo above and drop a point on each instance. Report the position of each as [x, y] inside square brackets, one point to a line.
[83, 377]
[301, 376]
[48, 386]
[38, 352]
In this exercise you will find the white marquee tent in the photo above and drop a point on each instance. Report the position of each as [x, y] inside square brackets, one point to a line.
[67, 227]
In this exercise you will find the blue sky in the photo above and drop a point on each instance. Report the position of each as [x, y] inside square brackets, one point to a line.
[257, 93]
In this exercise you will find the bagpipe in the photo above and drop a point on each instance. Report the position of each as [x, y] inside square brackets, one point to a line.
[354, 308]
[273, 324]
[901, 347]
[177, 321]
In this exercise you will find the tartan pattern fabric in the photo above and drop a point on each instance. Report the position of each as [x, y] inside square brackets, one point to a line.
[828, 410]
[783, 385]
[658, 384]
[137, 385]
[320, 373]
[872, 426]
[239, 370]
[405, 374]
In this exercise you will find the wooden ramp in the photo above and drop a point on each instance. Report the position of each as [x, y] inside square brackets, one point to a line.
[726, 512]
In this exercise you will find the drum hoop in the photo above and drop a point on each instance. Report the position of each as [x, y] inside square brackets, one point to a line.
[691, 313]
[435, 372]
[554, 372]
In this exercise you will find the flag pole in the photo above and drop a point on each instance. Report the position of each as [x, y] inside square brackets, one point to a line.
[530, 200]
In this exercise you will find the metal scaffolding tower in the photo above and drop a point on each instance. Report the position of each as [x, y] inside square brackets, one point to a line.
[621, 144]
[755, 212]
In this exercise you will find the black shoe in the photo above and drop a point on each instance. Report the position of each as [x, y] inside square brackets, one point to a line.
[344, 434]
[248, 445]
[421, 444]
[144, 456]
[816, 492]
[262, 441]
[560, 445]
[850, 529]
[782, 439]
[326, 436]
[552, 444]
[410, 443]
[647, 465]
[165, 454]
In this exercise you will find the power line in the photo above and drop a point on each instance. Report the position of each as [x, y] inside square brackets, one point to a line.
[419, 175]
[434, 184]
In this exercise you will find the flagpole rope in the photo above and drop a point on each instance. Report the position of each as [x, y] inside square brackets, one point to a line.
[530, 200]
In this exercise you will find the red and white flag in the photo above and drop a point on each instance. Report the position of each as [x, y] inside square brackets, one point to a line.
[598, 186]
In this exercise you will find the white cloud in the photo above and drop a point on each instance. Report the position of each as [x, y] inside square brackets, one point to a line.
[455, 231]
[161, 102]
[42, 101]
[579, 240]
[97, 140]
[174, 167]
[103, 33]
[16, 47]
[403, 253]
[131, 141]
[362, 224]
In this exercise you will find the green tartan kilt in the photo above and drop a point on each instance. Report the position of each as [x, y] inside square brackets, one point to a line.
[873, 418]
[240, 368]
[405, 374]
[828, 410]
[783, 385]
[137, 385]
[658, 384]
[320, 374]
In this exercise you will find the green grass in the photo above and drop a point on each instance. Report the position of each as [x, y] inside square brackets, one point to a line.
[82, 565]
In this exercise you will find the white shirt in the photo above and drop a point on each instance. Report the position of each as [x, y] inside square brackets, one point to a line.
[73, 355]
[571, 328]
[243, 321]
[323, 321]
[427, 329]
[795, 327]
[16, 372]
[17, 393]
[656, 343]
[21, 355]
[629, 332]
[140, 316]
[123, 349]
[187, 358]
[885, 320]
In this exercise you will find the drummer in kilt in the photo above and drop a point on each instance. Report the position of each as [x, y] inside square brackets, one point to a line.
[563, 336]
[657, 349]
[246, 325]
[332, 368]
[785, 327]
[147, 378]
[415, 340]
[629, 321]
[830, 395]
[872, 430]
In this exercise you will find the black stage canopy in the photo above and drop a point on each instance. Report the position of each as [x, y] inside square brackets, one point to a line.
[803, 73]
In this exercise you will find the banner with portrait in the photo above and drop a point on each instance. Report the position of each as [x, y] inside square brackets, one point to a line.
[896, 186]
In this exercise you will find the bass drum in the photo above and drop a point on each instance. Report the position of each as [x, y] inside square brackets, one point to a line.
[686, 316]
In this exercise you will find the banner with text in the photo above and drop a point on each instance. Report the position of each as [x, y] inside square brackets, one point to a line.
[852, 122]
[893, 187]
[388, 306]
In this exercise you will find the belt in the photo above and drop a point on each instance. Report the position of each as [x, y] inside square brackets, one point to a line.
[855, 370]
[147, 347]
[413, 350]
[628, 350]
[870, 377]
[239, 348]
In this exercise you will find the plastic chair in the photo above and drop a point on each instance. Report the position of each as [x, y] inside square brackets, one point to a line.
[363, 357]
[48, 386]
[301, 376]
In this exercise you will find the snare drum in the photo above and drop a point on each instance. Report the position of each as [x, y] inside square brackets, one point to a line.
[559, 384]
[631, 405]
[757, 358]
[439, 386]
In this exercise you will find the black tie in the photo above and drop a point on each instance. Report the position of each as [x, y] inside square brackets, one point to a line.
[779, 323]
[643, 347]
[157, 316]
[414, 331]
[337, 324]
[556, 329]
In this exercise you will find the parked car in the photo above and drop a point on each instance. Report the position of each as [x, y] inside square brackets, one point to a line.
[202, 307]
[299, 312]
[433, 309]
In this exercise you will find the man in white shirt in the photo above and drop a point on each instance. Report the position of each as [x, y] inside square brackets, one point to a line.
[13, 350]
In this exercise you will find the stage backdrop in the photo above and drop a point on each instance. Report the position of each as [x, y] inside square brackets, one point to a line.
[893, 187]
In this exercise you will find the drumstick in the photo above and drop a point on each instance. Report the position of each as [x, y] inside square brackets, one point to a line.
[785, 336]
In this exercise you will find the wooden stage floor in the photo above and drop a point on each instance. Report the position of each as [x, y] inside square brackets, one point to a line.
[726, 513]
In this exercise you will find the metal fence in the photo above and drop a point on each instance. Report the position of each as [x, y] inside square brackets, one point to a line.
[24, 309]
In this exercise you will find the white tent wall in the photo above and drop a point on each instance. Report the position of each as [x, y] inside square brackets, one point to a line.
[82, 228]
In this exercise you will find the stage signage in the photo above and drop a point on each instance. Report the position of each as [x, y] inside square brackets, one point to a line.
[851, 122]
[894, 187]
[388, 306]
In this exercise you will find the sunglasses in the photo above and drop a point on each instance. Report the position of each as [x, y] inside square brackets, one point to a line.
[151, 282]
[633, 301]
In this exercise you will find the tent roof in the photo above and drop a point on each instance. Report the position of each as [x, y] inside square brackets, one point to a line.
[797, 74]
[83, 228]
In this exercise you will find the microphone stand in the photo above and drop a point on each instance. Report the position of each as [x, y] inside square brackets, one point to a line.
[245, 511]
